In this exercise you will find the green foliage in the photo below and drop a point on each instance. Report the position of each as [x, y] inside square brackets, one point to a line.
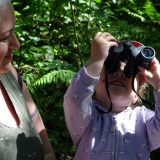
[54, 77]
[55, 37]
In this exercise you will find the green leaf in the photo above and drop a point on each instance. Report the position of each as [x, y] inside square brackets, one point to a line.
[35, 38]
[42, 28]
[98, 1]
[17, 13]
[26, 8]
[43, 19]
[16, 3]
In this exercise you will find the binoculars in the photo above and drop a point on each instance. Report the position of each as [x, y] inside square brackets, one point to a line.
[131, 55]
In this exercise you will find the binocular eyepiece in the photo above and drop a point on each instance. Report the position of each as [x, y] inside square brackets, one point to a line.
[131, 55]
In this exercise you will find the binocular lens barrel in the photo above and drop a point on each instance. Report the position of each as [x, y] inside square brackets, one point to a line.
[148, 52]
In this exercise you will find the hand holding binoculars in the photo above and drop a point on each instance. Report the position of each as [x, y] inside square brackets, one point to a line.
[131, 55]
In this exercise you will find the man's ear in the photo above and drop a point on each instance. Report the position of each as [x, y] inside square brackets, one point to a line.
[135, 99]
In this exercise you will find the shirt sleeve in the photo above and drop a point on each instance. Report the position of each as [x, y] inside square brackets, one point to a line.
[153, 124]
[78, 103]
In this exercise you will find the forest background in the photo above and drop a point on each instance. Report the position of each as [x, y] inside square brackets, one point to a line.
[55, 37]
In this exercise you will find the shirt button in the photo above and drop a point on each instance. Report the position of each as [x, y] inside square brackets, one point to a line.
[76, 79]
[75, 95]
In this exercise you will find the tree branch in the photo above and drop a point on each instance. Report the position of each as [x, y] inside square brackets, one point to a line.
[75, 33]
[89, 15]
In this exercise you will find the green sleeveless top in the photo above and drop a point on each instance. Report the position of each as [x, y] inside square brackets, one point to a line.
[23, 142]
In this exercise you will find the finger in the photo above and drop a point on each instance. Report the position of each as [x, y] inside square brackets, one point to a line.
[142, 69]
[111, 38]
[105, 34]
[111, 43]
[97, 35]
[155, 61]
[154, 65]
[102, 35]
[145, 72]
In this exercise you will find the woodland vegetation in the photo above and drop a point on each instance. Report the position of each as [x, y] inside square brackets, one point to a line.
[55, 37]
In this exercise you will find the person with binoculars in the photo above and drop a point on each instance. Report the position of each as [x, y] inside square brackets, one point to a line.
[98, 103]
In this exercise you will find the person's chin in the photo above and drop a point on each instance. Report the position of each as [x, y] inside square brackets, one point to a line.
[117, 89]
[6, 68]
[117, 93]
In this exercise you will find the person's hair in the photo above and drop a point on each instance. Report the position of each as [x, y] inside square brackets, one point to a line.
[143, 91]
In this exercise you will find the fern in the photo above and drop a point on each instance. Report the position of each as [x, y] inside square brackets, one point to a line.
[45, 101]
[133, 14]
[54, 77]
[50, 88]
[151, 11]
[29, 79]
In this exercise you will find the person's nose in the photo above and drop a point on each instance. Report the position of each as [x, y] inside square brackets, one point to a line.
[14, 43]
[119, 73]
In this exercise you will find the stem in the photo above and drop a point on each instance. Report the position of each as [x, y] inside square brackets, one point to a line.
[88, 24]
[89, 16]
[20, 56]
[75, 33]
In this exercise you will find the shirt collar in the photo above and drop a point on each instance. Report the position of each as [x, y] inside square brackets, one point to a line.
[98, 105]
